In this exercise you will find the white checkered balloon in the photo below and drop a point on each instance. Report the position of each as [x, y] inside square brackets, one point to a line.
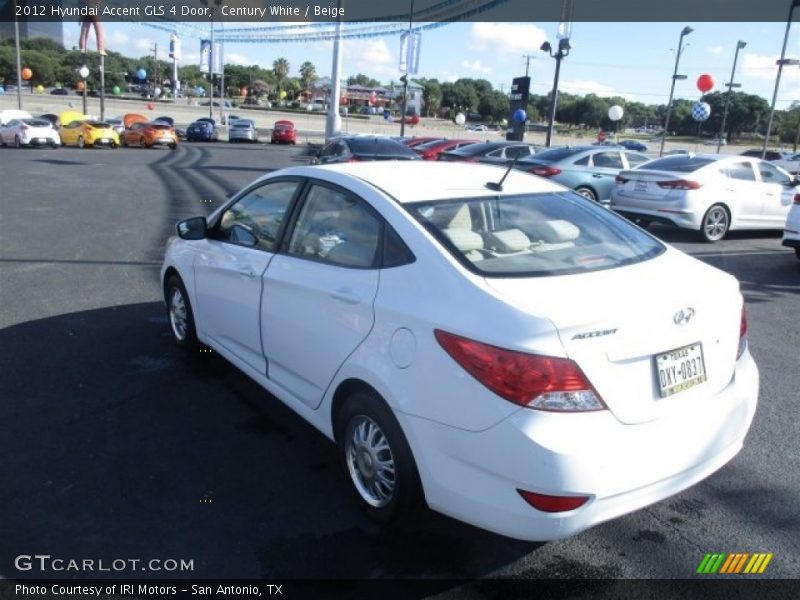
[701, 111]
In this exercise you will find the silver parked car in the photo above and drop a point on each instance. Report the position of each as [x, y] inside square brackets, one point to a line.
[242, 130]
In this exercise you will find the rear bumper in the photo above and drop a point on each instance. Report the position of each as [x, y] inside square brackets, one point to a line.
[688, 220]
[474, 476]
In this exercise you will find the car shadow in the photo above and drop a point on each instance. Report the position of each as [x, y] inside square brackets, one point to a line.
[118, 444]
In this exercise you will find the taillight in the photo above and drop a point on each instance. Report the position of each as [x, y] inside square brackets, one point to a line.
[24, 127]
[544, 171]
[680, 184]
[620, 180]
[531, 380]
[742, 334]
[353, 159]
[796, 199]
[429, 156]
[547, 503]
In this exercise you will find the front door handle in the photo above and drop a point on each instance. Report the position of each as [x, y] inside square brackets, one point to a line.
[246, 271]
[596, 176]
[345, 296]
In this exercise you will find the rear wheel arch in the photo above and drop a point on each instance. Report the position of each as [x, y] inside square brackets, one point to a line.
[169, 274]
[343, 392]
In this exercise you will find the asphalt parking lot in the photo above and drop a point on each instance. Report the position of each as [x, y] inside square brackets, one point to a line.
[116, 445]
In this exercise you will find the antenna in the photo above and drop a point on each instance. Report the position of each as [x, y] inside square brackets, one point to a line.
[498, 187]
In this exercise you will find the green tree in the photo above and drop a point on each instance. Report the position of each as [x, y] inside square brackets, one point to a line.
[363, 80]
[307, 74]
[280, 69]
[431, 95]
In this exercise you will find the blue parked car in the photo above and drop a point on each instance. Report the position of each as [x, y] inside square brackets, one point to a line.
[203, 130]
[633, 145]
[589, 170]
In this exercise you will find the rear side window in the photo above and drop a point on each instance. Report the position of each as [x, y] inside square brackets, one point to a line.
[556, 154]
[608, 160]
[534, 235]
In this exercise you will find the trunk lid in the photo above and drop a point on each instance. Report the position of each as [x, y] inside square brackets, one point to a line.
[614, 322]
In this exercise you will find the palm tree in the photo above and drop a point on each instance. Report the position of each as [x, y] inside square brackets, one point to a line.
[307, 74]
[281, 69]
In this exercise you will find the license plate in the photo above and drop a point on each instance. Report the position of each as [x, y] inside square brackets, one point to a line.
[42, 140]
[640, 186]
[680, 369]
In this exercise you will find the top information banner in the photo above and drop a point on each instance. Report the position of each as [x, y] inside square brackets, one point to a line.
[424, 11]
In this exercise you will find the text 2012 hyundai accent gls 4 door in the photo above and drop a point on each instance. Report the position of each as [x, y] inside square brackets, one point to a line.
[517, 356]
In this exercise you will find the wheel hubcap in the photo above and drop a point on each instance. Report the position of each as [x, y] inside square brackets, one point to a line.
[716, 224]
[178, 317]
[370, 462]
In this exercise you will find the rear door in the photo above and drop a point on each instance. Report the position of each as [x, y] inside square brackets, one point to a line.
[318, 297]
[603, 168]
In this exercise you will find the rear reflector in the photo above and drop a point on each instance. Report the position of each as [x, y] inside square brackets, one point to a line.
[742, 333]
[679, 184]
[544, 171]
[553, 504]
[531, 380]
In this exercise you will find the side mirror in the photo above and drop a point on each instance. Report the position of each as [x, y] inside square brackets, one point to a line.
[795, 182]
[195, 228]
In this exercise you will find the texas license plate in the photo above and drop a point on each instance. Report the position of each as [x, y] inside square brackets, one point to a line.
[42, 140]
[680, 369]
[640, 186]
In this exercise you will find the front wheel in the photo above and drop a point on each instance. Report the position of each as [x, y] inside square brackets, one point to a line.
[376, 458]
[716, 222]
[587, 193]
[17, 142]
[81, 143]
[797, 252]
[179, 313]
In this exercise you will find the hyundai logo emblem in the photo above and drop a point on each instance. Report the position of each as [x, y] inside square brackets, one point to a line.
[683, 316]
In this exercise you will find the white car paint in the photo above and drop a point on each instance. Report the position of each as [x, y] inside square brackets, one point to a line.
[760, 203]
[791, 231]
[304, 329]
[29, 132]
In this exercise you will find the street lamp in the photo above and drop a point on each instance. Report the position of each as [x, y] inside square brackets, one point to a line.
[559, 55]
[730, 85]
[781, 63]
[675, 77]
[84, 73]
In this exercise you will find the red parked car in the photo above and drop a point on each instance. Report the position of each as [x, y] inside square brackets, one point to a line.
[431, 150]
[283, 132]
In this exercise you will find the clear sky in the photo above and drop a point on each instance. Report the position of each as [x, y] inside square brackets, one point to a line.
[634, 60]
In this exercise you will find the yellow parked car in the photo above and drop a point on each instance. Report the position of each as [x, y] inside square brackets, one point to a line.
[77, 130]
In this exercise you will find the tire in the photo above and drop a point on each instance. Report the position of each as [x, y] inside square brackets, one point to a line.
[17, 142]
[368, 432]
[81, 143]
[141, 143]
[180, 315]
[173, 146]
[797, 252]
[716, 223]
[586, 193]
[54, 146]
[643, 223]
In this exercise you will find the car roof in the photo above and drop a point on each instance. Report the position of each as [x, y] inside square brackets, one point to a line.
[412, 181]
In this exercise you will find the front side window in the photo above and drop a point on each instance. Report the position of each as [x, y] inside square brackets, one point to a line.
[771, 174]
[337, 228]
[255, 219]
[635, 159]
[534, 235]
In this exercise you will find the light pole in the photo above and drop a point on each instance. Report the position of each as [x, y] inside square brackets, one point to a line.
[560, 54]
[675, 77]
[19, 61]
[404, 78]
[783, 61]
[84, 73]
[730, 85]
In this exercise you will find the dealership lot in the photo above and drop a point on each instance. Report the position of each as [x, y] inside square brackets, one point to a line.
[119, 447]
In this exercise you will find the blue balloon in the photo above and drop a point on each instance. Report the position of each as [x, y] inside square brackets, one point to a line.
[141, 74]
[386, 114]
[520, 116]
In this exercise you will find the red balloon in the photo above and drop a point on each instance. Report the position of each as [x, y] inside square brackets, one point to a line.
[705, 83]
[150, 106]
[26, 73]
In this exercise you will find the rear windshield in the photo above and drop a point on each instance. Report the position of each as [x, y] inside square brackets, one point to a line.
[379, 147]
[682, 163]
[429, 145]
[555, 154]
[161, 126]
[242, 124]
[474, 149]
[98, 124]
[37, 122]
[534, 235]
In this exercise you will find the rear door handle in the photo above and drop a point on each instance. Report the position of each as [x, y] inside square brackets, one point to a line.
[345, 296]
[596, 176]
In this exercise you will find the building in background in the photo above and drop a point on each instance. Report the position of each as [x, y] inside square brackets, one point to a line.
[29, 30]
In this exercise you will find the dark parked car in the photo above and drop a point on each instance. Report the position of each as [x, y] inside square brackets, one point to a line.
[633, 145]
[56, 91]
[356, 148]
[50, 117]
[493, 153]
[203, 130]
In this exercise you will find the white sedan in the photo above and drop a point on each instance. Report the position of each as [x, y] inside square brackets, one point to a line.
[791, 231]
[514, 355]
[709, 193]
[29, 132]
